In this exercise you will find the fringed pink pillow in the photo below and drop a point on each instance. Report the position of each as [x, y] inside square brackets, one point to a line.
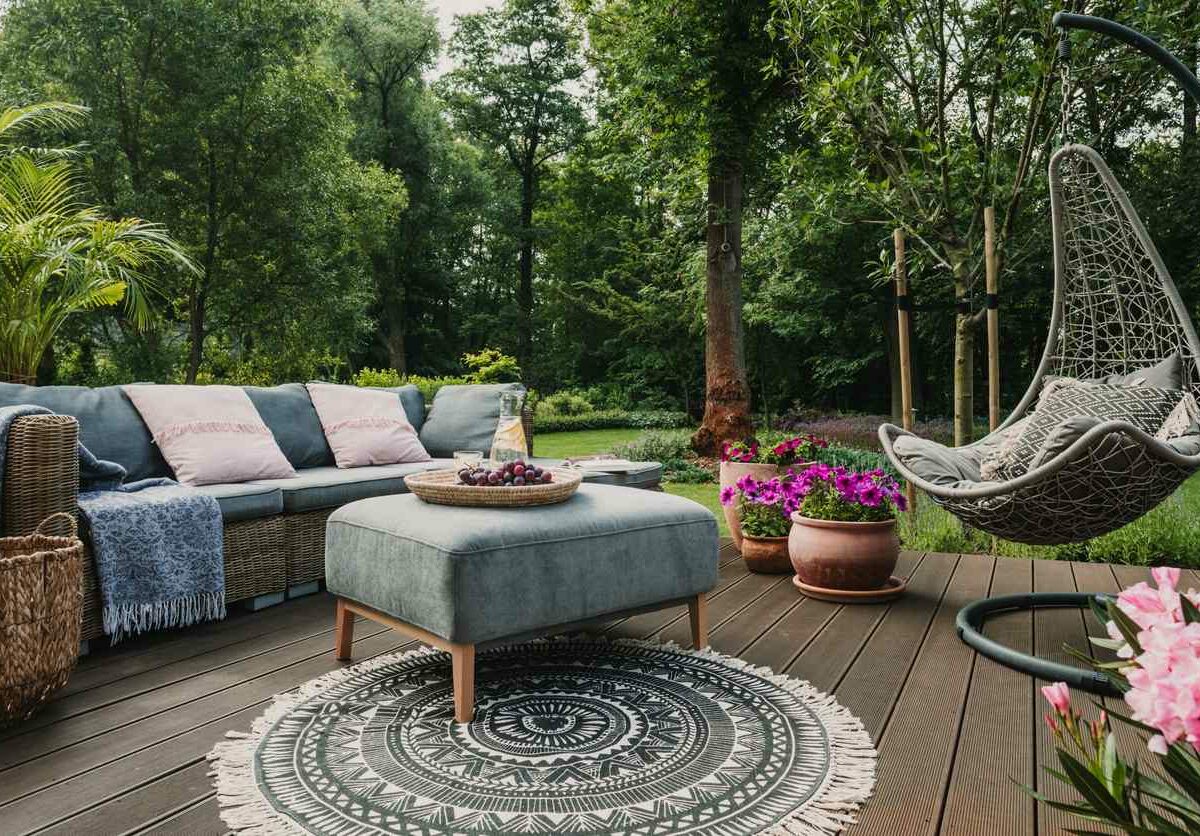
[209, 434]
[365, 426]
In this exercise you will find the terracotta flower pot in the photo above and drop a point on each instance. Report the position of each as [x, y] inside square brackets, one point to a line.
[766, 555]
[732, 471]
[843, 555]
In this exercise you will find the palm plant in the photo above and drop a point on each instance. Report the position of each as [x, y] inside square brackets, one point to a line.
[58, 255]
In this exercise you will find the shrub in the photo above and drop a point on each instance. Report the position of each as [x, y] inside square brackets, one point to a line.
[390, 378]
[490, 365]
[565, 402]
[608, 419]
[862, 430]
[662, 446]
[687, 472]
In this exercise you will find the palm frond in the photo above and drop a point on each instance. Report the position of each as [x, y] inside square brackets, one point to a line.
[40, 116]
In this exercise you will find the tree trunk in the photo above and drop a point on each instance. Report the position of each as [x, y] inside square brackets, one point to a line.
[525, 285]
[198, 289]
[196, 306]
[893, 342]
[964, 380]
[727, 395]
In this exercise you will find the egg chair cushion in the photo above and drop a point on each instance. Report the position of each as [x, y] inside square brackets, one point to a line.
[1150, 409]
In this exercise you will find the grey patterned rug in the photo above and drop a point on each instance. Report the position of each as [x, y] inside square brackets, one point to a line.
[571, 736]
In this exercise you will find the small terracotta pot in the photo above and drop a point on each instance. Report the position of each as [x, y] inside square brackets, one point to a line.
[843, 555]
[732, 471]
[766, 555]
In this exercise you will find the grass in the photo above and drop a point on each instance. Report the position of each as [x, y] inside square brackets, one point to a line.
[581, 442]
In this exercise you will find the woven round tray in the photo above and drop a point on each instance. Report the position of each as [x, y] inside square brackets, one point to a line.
[443, 488]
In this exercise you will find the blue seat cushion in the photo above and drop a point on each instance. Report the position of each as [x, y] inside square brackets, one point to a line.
[464, 418]
[109, 425]
[644, 475]
[245, 500]
[292, 419]
[329, 487]
[479, 574]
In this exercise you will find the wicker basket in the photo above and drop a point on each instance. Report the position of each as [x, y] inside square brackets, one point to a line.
[442, 487]
[40, 603]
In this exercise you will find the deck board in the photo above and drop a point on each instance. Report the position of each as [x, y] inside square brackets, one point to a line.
[122, 748]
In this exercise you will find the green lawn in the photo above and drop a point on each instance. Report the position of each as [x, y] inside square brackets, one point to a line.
[590, 442]
[581, 442]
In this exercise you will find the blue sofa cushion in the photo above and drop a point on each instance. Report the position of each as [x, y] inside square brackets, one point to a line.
[109, 425]
[413, 402]
[479, 574]
[289, 414]
[328, 487]
[245, 500]
[464, 418]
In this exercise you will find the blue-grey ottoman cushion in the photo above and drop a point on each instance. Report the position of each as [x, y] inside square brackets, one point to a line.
[245, 500]
[464, 418]
[329, 487]
[109, 425]
[476, 574]
[290, 416]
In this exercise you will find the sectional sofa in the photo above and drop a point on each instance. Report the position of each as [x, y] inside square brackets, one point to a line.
[274, 530]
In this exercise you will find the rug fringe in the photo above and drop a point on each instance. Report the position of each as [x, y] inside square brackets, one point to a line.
[849, 782]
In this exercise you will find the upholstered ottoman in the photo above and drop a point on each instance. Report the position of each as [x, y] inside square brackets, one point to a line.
[457, 577]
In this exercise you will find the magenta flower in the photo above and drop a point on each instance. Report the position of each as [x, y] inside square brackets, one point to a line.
[728, 495]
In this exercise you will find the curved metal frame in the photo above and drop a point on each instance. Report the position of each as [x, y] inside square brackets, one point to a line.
[969, 624]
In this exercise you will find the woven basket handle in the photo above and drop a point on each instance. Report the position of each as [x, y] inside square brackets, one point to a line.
[70, 518]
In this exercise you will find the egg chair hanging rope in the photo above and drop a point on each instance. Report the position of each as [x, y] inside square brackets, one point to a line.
[1115, 311]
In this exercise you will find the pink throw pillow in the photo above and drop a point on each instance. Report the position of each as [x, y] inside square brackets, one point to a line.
[209, 434]
[365, 426]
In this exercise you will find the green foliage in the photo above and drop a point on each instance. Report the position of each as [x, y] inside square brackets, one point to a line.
[58, 256]
[490, 365]
[687, 472]
[603, 419]
[564, 403]
[655, 447]
[390, 378]
[762, 520]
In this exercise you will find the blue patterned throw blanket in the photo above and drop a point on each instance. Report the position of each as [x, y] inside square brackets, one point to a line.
[158, 545]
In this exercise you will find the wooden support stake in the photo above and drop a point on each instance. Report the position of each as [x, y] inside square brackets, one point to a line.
[993, 316]
[902, 308]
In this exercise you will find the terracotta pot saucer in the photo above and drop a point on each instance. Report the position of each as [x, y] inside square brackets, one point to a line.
[893, 589]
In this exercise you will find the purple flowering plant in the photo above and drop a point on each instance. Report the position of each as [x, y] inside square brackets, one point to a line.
[835, 493]
[764, 506]
[799, 448]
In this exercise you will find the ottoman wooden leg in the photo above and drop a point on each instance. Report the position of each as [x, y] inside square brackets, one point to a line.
[462, 664]
[343, 631]
[698, 614]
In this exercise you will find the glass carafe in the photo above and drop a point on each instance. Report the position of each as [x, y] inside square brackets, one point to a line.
[509, 444]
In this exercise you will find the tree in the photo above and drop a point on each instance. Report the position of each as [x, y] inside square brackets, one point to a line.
[384, 46]
[689, 82]
[516, 90]
[58, 256]
[946, 104]
[221, 118]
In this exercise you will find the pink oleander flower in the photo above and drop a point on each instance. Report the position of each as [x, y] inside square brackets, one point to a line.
[1059, 697]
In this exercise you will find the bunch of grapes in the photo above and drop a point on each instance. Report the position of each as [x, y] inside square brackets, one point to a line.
[509, 475]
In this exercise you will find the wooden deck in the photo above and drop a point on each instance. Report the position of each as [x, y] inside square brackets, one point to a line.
[121, 749]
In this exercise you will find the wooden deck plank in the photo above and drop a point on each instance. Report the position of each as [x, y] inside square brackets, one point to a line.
[732, 573]
[745, 596]
[917, 746]
[823, 661]
[872, 679]
[185, 739]
[124, 752]
[145, 710]
[995, 746]
[1055, 629]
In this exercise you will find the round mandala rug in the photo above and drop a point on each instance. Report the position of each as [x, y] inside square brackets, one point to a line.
[571, 736]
